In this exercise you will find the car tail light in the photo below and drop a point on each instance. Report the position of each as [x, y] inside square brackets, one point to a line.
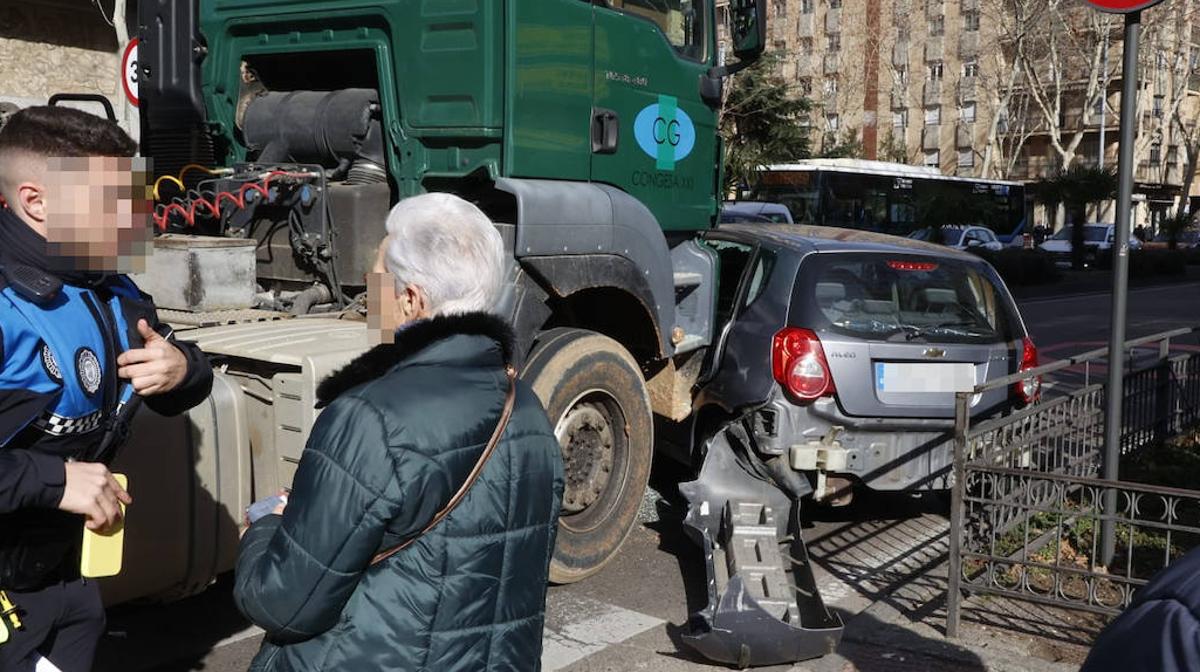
[1028, 389]
[799, 364]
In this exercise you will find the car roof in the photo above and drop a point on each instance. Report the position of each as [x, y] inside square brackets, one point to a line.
[805, 238]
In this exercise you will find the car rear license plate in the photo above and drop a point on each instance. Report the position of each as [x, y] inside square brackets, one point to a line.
[924, 378]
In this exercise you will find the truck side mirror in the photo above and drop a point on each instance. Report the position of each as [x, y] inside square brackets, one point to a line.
[748, 28]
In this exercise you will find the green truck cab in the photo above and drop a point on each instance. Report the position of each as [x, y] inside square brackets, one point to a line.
[587, 130]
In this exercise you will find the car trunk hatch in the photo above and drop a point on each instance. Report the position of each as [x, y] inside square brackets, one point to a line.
[904, 333]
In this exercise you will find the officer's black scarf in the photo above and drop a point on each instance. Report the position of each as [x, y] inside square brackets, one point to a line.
[21, 245]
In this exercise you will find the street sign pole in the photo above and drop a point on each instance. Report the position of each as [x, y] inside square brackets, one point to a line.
[1114, 395]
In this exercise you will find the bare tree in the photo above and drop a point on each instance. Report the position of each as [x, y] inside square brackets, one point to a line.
[1001, 78]
[1060, 55]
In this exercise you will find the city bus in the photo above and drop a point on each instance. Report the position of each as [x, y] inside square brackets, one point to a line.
[890, 198]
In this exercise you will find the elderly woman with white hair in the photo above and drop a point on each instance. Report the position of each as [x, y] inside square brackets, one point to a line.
[419, 529]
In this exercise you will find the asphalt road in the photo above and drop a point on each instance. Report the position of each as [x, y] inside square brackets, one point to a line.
[630, 616]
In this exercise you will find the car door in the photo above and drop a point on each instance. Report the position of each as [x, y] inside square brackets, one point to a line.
[652, 134]
[738, 372]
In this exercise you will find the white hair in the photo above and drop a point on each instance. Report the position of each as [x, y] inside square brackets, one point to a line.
[449, 249]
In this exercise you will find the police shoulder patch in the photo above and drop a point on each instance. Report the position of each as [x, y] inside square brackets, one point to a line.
[50, 364]
[87, 369]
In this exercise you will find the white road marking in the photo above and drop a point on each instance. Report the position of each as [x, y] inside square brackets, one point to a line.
[577, 627]
[247, 633]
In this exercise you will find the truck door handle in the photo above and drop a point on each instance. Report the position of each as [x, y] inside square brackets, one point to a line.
[606, 131]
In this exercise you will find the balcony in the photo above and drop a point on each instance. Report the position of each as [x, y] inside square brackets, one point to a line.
[900, 53]
[933, 94]
[967, 89]
[964, 135]
[931, 138]
[833, 21]
[804, 25]
[831, 64]
[935, 49]
[1149, 172]
[968, 45]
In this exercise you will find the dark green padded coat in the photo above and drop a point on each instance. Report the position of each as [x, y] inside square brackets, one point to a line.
[403, 426]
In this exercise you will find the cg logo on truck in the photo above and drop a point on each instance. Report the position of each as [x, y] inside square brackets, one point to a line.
[665, 132]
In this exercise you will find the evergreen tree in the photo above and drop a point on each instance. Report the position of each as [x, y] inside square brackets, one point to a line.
[763, 122]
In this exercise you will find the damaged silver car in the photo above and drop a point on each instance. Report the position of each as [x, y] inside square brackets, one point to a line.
[836, 369]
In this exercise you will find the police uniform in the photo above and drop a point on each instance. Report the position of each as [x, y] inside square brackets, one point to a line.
[61, 399]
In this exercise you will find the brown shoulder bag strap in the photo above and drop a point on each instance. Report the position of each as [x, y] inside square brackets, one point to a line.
[483, 458]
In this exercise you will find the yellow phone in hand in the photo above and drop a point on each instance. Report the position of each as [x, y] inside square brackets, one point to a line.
[102, 551]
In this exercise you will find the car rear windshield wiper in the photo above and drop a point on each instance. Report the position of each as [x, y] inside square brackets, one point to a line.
[913, 332]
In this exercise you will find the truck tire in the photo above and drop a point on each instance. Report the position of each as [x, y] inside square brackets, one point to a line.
[596, 398]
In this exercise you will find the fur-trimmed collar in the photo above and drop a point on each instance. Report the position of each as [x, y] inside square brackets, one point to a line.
[379, 360]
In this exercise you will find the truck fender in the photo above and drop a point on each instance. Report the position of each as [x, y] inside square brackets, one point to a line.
[612, 237]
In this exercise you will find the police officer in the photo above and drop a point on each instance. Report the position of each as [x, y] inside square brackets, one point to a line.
[81, 348]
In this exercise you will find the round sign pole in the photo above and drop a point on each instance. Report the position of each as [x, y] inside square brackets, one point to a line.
[1115, 394]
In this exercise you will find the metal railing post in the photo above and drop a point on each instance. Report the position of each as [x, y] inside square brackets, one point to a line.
[962, 421]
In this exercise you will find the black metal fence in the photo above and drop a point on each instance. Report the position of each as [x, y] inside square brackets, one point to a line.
[1028, 502]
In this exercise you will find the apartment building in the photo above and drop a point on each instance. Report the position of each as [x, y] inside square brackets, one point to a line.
[946, 84]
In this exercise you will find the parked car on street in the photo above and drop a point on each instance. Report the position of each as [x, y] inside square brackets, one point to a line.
[1186, 240]
[869, 338]
[962, 237]
[1097, 238]
[774, 212]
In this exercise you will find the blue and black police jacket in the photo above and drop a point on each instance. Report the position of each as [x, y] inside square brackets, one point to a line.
[61, 399]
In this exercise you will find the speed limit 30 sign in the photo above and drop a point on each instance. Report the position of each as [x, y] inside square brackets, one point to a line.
[129, 72]
[1122, 6]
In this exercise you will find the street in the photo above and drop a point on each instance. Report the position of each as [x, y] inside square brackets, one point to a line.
[632, 614]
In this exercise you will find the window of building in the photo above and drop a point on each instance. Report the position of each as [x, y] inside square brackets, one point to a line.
[899, 118]
[901, 74]
[805, 46]
[902, 34]
[806, 6]
[966, 158]
[933, 158]
[780, 9]
[966, 113]
[831, 86]
[835, 4]
[1172, 155]
[1158, 107]
[1156, 153]
[971, 21]
[936, 71]
[831, 120]
[971, 68]
[933, 115]
[937, 26]
[835, 42]
[1098, 108]
[805, 85]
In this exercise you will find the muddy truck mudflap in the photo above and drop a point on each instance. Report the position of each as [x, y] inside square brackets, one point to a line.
[763, 604]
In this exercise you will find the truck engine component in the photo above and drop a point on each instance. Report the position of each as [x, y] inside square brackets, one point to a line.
[325, 127]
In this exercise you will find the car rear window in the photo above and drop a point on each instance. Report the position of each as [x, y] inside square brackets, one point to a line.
[904, 298]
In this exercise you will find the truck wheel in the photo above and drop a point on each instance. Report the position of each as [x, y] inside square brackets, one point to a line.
[596, 398]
